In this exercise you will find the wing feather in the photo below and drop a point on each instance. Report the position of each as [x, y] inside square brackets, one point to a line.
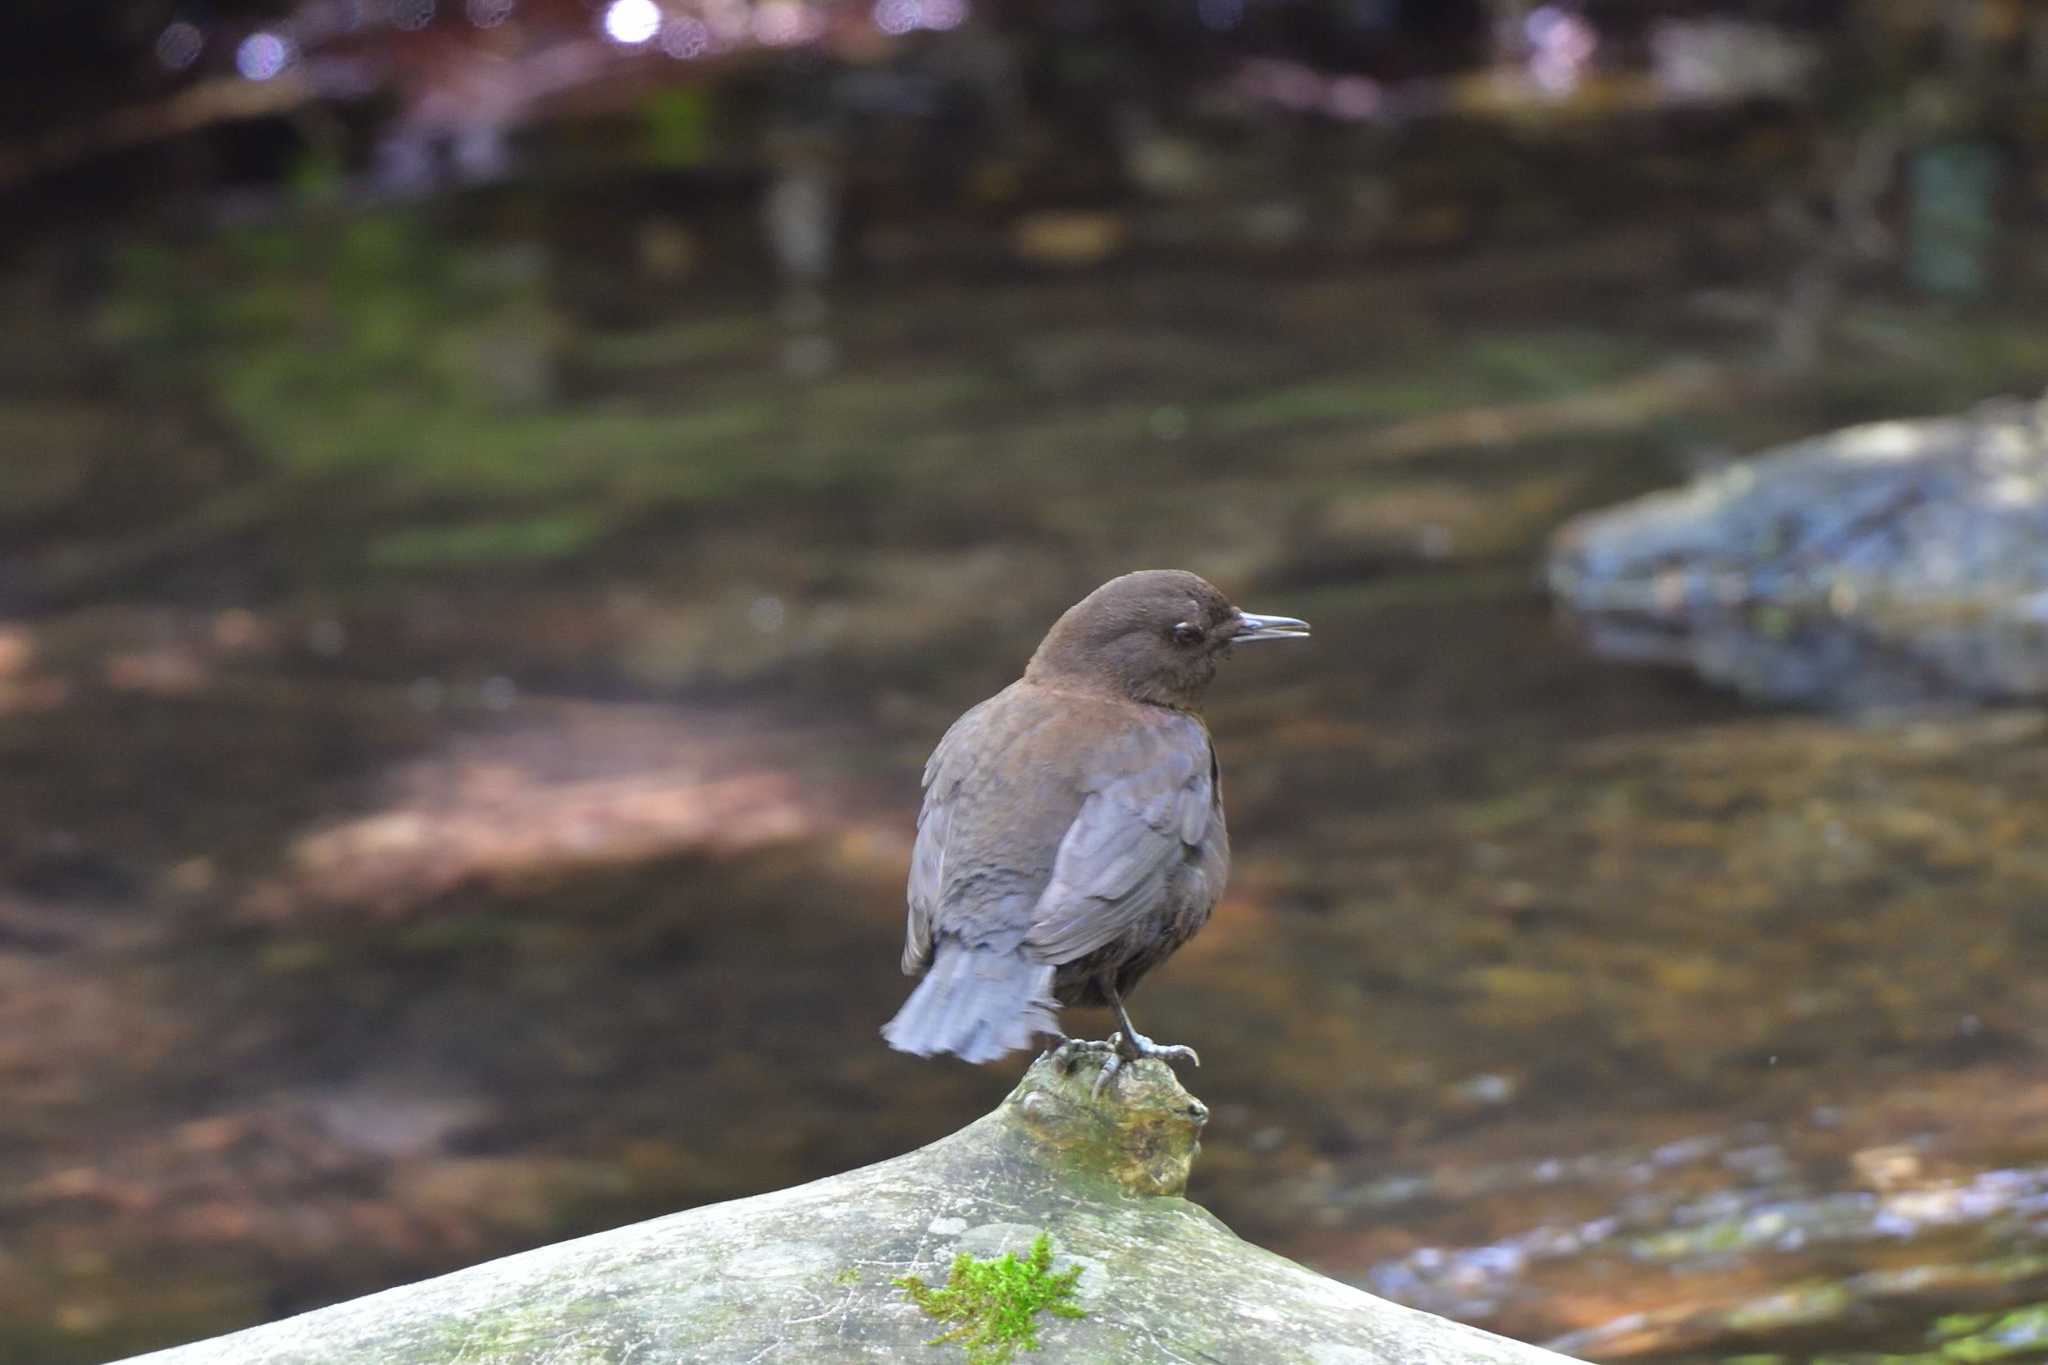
[1148, 807]
[942, 779]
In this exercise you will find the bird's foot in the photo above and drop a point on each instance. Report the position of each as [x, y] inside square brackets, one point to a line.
[1131, 1047]
[1068, 1051]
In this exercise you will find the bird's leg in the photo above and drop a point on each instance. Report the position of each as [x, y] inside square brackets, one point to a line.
[1130, 1044]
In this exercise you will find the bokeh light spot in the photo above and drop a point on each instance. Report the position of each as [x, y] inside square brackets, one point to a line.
[729, 22]
[898, 16]
[631, 22]
[683, 38]
[1561, 44]
[263, 56]
[412, 15]
[178, 46]
[783, 23]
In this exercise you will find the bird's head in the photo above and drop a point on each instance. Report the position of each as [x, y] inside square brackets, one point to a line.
[1152, 636]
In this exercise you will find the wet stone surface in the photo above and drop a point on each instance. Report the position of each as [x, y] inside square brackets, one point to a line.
[1892, 564]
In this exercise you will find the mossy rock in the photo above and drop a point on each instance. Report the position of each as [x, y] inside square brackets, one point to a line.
[1081, 1192]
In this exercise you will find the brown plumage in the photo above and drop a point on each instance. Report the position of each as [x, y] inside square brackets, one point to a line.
[1072, 833]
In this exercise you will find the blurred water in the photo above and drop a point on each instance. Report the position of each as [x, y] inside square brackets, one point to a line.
[459, 758]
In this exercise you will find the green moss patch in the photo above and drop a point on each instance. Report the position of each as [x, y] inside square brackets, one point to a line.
[2021, 1333]
[994, 1304]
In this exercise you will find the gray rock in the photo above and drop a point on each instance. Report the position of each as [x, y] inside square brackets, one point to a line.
[1897, 563]
[805, 1274]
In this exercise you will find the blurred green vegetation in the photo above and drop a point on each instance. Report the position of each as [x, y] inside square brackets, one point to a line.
[431, 399]
[372, 357]
[1516, 367]
[2019, 1334]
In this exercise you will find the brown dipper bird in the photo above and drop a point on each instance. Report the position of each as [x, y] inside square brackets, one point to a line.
[1072, 832]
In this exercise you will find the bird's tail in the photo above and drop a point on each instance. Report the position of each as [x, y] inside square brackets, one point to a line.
[976, 1002]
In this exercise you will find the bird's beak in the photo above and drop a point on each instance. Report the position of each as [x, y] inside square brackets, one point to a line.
[1252, 627]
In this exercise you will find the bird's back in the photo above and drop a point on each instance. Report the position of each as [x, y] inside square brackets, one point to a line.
[1069, 833]
[1001, 791]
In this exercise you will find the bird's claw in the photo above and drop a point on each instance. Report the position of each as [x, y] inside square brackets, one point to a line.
[1132, 1047]
[1137, 1045]
[1067, 1051]
[1110, 1066]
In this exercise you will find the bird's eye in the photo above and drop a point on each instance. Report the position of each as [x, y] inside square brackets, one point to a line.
[1185, 634]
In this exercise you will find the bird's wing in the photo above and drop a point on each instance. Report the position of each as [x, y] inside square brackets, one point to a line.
[1150, 802]
[942, 779]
